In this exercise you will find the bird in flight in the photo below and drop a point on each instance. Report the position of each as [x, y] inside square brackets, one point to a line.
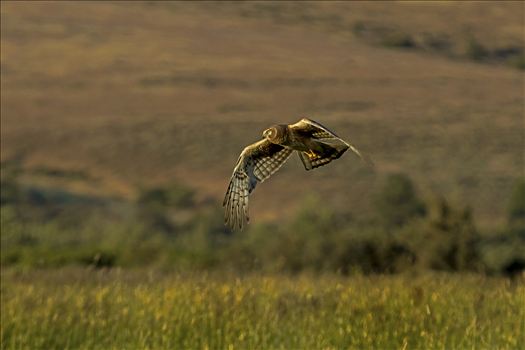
[315, 144]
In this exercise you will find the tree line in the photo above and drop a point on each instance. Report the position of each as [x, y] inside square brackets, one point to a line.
[166, 227]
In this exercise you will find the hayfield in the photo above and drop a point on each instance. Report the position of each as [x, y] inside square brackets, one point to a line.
[88, 309]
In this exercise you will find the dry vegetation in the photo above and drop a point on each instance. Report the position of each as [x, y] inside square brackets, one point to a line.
[133, 94]
[116, 309]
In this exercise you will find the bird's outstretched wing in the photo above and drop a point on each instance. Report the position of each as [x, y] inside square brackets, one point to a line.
[314, 130]
[256, 163]
[333, 146]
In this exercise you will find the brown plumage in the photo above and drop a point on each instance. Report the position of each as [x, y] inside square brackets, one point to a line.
[315, 144]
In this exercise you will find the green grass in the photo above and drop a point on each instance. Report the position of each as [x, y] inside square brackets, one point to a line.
[116, 309]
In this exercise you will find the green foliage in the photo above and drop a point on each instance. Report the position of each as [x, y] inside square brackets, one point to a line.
[10, 192]
[398, 40]
[516, 207]
[505, 252]
[501, 252]
[320, 240]
[475, 50]
[174, 195]
[160, 208]
[165, 228]
[445, 240]
[359, 28]
[518, 61]
[397, 203]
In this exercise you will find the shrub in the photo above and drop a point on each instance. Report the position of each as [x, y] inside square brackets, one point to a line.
[518, 61]
[9, 191]
[503, 253]
[174, 195]
[445, 240]
[516, 206]
[398, 40]
[397, 203]
[475, 50]
[159, 207]
[167, 232]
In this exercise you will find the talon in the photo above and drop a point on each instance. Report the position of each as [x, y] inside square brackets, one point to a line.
[311, 154]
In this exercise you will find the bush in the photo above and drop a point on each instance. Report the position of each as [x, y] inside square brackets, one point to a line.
[174, 195]
[398, 40]
[518, 61]
[318, 239]
[172, 231]
[475, 51]
[516, 206]
[445, 240]
[503, 253]
[397, 203]
[9, 191]
[159, 207]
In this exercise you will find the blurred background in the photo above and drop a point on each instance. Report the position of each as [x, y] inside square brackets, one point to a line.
[121, 123]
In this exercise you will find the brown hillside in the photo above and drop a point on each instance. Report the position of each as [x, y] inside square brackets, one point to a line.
[126, 95]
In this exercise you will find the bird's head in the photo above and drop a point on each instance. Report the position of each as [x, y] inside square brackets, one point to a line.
[275, 134]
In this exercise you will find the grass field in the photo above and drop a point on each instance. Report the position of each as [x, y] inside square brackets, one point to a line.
[87, 309]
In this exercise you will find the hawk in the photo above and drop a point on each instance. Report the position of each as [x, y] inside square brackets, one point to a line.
[315, 144]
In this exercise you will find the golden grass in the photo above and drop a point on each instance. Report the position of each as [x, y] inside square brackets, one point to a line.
[148, 310]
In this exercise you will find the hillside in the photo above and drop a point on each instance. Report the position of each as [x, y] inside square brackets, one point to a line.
[109, 98]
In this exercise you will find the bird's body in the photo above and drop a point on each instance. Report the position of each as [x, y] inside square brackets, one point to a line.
[315, 144]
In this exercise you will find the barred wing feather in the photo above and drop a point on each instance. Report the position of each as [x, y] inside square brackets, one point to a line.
[256, 163]
[315, 130]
